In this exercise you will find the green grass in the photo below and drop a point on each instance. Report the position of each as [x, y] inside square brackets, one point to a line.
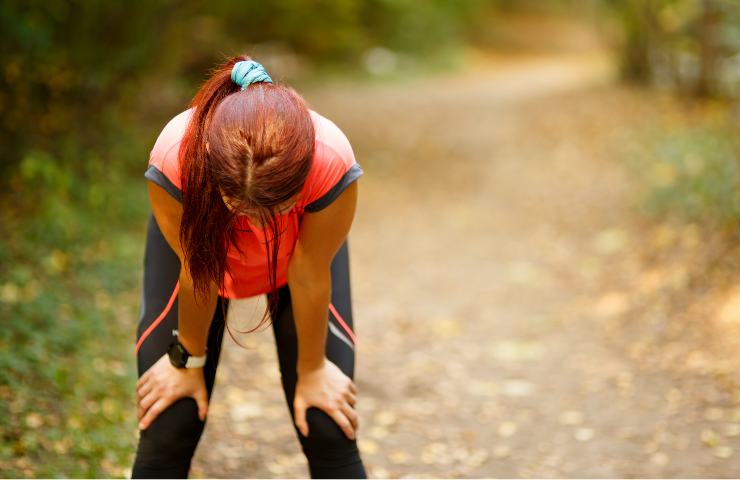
[71, 252]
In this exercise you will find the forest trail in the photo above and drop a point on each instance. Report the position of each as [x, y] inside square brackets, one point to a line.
[494, 284]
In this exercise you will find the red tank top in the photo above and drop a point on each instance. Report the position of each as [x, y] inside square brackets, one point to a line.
[333, 169]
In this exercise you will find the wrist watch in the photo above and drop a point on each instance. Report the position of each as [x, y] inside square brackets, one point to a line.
[181, 358]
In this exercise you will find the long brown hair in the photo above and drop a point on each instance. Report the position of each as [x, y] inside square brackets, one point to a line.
[254, 146]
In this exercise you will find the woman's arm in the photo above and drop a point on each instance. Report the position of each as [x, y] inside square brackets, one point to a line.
[194, 318]
[320, 383]
[162, 384]
[309, 274]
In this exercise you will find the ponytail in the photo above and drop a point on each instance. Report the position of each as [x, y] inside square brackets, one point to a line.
[202, 204]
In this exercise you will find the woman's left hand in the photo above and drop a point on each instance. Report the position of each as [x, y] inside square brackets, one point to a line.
[329, 389]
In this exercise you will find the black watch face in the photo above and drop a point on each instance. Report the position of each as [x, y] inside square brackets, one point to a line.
[177, 354]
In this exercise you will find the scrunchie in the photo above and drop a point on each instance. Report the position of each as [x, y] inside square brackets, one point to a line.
[248, 72]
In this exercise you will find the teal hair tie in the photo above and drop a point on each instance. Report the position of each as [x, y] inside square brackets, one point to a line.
[248, 72]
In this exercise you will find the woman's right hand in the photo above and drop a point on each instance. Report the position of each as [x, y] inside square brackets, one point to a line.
[163, 384]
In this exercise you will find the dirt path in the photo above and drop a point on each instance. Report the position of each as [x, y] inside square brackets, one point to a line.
[491, 263]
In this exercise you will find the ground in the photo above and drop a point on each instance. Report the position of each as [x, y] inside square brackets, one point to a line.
[509, 323]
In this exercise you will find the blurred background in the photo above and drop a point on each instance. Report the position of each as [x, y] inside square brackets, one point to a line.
[545, 256]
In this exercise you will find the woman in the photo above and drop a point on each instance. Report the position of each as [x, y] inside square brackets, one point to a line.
[251, 192]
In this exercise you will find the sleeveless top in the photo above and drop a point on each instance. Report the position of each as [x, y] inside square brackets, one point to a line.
[333, 169]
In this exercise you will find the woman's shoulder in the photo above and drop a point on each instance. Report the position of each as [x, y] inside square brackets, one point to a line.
[333, 167]
[331, 143]
[170, 137]
[164, 164]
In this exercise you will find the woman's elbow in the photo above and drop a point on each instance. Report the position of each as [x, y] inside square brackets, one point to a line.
[306, 275]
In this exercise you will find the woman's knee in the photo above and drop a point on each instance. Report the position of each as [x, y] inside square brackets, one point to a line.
[173, 435]
[325, 437]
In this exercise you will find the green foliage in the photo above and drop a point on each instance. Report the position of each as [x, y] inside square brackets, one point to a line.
[693, 172]
[67, 369]
[67, 68]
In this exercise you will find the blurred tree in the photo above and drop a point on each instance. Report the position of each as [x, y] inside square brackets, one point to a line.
[66, 66]
[691, 44]
[638, 19]
[709, 47]
[71, 68]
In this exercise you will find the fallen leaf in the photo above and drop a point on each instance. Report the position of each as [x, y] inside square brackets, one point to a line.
[435, 453]
[515, 350]
[611, 304]
[445, 328]
[732, 429]
[399, 457]
[460, 453]
[501, 451]
[571, 417]
[722, 451]
[476, 458]
[709, 437]
[610, 241]
[10, 293]
[482, 388]
[380, 472]
[244, 411]
[385, 418]
[518, 388]
[57, 261]
[378, 432]
[507, 429]
[729, 311]
[34, 420]
[659, 458]
[584, 434]
[523, 273]
[367, 446]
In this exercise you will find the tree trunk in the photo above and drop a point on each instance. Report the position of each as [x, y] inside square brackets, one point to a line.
[708, 48]
[638, 27]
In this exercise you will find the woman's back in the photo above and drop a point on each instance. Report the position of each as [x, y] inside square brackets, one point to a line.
[333, 168]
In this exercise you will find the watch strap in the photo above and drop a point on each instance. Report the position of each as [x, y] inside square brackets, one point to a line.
[195, 362]
[181, 358]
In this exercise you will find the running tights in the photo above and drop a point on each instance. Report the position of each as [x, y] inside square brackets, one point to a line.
[166, 448]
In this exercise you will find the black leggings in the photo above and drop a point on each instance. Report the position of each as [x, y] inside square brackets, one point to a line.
[166, 448]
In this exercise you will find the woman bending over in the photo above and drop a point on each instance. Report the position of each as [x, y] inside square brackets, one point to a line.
[251, 193]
